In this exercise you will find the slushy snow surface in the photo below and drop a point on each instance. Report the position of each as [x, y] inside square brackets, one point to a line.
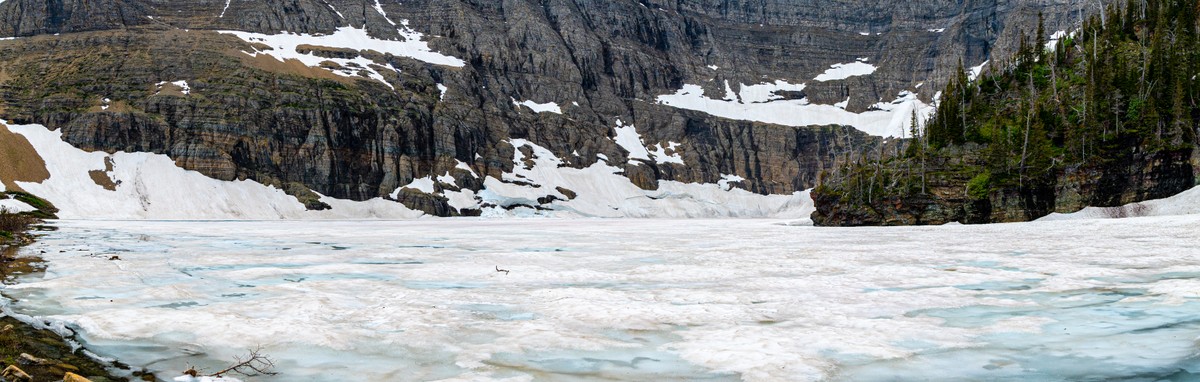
[640, 300]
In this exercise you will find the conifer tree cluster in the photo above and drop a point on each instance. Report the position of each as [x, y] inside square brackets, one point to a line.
[1126, 79]
[1123, 85]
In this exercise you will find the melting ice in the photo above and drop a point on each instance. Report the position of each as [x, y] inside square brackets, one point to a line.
[633, 300]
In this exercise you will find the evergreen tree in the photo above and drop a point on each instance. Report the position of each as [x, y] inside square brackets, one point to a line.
[1122, 87]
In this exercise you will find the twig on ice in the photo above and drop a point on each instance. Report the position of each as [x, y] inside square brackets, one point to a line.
[254, 364]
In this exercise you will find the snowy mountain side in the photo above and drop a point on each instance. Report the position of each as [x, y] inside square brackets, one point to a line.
[341, 100]
[98, 185]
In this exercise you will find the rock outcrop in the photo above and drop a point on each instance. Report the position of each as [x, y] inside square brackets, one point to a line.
[949, 198]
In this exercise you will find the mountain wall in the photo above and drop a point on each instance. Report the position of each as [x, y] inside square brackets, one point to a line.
[364, 99]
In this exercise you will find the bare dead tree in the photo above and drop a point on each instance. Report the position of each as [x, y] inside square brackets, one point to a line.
[251, 365]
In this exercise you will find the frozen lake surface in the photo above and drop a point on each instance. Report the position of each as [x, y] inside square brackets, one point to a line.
[632, 300]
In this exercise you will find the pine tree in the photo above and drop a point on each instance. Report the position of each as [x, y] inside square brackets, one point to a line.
[1040, 45]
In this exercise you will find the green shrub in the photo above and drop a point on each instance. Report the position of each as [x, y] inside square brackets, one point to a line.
[45, 210]
[980, 186]
[14, 222]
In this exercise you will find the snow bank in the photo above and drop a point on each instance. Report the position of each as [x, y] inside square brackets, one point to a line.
[97, 185]
[15, 206]
[152, 186]
[1185, 203]
[423, 184]
[601, 191]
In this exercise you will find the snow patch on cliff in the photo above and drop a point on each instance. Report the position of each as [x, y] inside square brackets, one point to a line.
[765, 103]
[844, 71]
[667, 154]
[974, 72]
[765, 92]
[335, 11]
[423, 184]
[628, 138]
[379, 8]
[181, 84]
[1052, 43]
[285, 46]
[548, 107]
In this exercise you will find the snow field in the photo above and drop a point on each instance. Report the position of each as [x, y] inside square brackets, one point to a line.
[752, 300]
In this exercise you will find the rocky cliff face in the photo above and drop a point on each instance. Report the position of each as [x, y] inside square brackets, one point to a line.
[948, 196]
[358, 123]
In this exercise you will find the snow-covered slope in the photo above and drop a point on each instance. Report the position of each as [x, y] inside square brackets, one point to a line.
[600, 191]
[1186, 203]
[98, 185]
[13, 205]
[152, 186]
